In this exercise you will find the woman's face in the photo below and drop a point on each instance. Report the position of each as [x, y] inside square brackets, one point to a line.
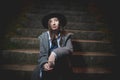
[53, 23]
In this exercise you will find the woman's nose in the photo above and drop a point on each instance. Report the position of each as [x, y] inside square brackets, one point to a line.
[53, 23]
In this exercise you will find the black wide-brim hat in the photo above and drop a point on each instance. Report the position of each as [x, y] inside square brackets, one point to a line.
[61, 18]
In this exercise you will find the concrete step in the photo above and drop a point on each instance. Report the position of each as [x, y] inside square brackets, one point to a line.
[92, 46]
[81, 59]
[71, 25]
[59, 5]
[83, 18]
[15, 75]
[36, 12]
[25, 71]
[26, 75]
[78, 45]
[87, 70]
[34, 20]
[78, 34]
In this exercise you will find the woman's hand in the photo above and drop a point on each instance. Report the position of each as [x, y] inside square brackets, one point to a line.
[47, 67]
[51, 62]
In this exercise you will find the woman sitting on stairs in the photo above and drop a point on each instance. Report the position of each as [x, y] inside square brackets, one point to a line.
[55, 50]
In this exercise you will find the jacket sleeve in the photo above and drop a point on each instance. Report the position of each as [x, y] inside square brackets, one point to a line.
[67, 49]
[43, 56]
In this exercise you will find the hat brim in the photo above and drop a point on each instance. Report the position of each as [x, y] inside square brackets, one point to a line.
[61, 18]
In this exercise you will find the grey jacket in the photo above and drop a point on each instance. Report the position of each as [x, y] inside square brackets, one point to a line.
[64, 50]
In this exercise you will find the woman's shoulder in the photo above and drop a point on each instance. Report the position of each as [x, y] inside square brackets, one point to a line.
[69, 34]
[43, 34]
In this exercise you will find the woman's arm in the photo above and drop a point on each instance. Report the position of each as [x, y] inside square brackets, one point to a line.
[43, 55]
[65, 50]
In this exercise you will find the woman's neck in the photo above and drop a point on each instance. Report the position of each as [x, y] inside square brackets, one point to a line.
[54, 34]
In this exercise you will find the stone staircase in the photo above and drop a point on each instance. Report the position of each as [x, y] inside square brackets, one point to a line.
[93, 57]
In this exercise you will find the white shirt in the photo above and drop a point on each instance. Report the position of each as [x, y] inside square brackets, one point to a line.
[58, 41]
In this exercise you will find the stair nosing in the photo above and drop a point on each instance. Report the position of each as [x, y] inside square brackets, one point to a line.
[76, 40]
[75, 69]
[77, 53]
[70, 30]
